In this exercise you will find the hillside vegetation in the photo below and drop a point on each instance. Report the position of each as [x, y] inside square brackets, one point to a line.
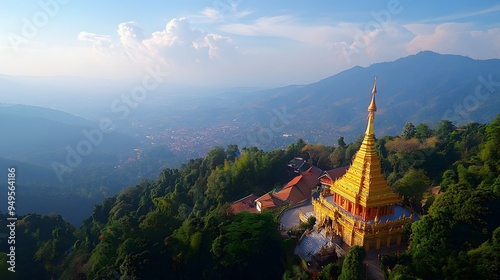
[180, 226]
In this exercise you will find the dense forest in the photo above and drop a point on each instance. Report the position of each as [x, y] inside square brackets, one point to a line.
[180, 226]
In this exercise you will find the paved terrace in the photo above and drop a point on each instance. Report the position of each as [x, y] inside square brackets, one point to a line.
[290, 217]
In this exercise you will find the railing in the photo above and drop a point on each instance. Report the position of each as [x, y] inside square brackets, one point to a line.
[331, 207]
[303, 217]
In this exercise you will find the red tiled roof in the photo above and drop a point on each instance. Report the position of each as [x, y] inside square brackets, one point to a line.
[336, 173]
[245, 204]
[295, 191]
[293, 182]
[300, 187]
[268, 201]
[293, 194]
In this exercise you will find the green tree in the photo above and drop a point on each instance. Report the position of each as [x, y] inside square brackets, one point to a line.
[412, 186]
[490, 154]
[296, 273]
[219, 185]
[401, 272]
[214, 158]
[444, 129]
[479, 263]
[337, 157]
[309, 224]
[250, 245]
[470, 137]
[232, 151]
[408, 131]
[353, 267]
[331, 271]
[459, 219]
[353, 148]
[296, 148]
[422, 131]
[341, 142]
[449, 178]
[318, 155]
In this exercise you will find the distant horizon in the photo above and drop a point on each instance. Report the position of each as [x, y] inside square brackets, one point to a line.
[232, 43]
[187, 86]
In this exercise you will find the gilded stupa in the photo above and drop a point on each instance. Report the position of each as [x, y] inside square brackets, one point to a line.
[360, 207]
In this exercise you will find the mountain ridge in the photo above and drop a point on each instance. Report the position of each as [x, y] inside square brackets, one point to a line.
[425, 87]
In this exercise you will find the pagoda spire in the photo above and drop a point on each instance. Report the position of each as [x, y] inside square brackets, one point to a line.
[372, 108]
[364, 177]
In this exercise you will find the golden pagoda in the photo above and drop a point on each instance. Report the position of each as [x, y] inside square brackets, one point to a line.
[360, 207]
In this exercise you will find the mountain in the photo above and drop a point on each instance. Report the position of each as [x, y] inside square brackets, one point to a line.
[422, 88]
[91, 163]
[20, 110]
[41, 136]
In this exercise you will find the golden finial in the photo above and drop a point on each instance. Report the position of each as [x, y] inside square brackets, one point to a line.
[373, 107]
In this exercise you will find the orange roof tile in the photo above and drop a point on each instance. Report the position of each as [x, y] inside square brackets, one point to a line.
[300, 187]
[268, 201]
[293, 182]
[245, 204]
[294, 195]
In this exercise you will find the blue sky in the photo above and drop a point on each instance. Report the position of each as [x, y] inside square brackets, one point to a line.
[235, 42]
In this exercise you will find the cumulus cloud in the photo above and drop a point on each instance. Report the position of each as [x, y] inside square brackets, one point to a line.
[132, 42]
[364, 46]
[218, 45]
[177, 44]
[367, 43]
[178, 32]
[311, 51]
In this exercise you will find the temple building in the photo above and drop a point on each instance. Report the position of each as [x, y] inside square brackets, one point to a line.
[360, 207]
[294, 192]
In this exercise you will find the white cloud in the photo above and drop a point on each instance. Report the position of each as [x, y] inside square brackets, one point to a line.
[320, 50]
[100, 43]
[178, 32]
[218, 45]
[220, 12]
[178, 45]
[211, 14]
[455, 38]
[191, 54]
[286, 26]
[275, 50]
[367, 43]
[458, 16]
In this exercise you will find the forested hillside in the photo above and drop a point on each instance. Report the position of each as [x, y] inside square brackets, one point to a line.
[180, 226]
